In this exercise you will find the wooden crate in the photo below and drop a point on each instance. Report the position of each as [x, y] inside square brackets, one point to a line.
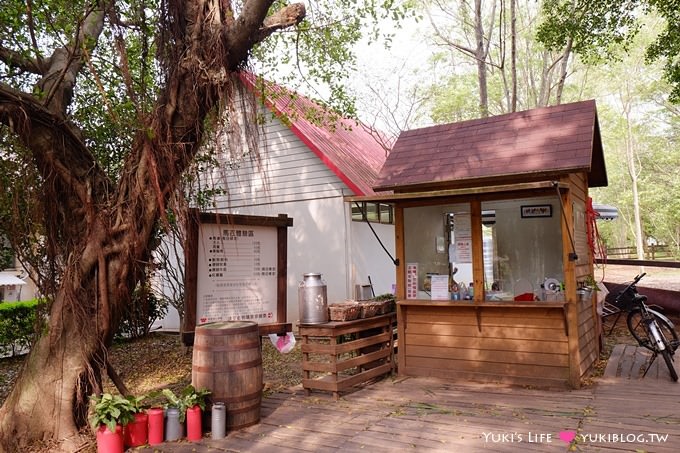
[341, 354]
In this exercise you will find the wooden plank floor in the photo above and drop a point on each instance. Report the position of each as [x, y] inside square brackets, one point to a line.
[620, 413]
[630, 362]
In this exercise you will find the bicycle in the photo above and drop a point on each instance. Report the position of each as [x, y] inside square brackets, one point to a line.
[650, 328]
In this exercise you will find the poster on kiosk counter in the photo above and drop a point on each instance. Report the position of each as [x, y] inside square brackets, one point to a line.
[236, 273]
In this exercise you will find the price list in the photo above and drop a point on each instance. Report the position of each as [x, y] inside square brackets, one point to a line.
[236, 273]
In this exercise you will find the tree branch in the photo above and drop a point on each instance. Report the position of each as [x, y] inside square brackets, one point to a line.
[251, 26]
[39, 128]
[16, 60]
[286, 17]
[66, 62]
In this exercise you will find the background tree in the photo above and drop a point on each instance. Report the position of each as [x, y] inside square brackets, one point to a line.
[518, 72]
[103, 106]
[637, 117]
[600, 27]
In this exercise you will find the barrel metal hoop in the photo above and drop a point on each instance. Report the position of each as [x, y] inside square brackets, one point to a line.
[228, 347]
[243, 410]
[239, 399]
[229, 368]
[221, 332]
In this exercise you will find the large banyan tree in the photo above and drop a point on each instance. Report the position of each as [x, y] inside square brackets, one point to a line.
[103, 106]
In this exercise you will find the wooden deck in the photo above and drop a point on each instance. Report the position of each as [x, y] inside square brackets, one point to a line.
[622, 412]
[630, 362]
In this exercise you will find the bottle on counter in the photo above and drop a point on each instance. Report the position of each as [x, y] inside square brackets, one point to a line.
[463, 292]
[455, 291]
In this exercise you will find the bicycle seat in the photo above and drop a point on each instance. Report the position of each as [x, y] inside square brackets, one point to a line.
[639, 298]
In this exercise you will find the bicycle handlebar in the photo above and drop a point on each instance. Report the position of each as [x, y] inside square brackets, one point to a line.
[638, 278]
[630, 285]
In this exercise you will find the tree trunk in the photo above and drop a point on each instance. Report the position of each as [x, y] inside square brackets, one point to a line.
[480, 54]
[513, 55]
[101, 231]
[564, 66]
[633, 172]
[41, 405]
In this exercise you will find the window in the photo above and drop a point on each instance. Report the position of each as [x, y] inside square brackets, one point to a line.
[522, 247]
[375, 212]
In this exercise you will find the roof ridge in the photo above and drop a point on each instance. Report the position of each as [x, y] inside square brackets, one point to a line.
[350, 152]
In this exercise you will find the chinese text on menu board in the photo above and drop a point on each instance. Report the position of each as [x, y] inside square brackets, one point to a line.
[236, 273]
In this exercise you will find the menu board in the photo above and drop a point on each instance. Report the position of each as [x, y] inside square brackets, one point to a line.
[236, 273]
[411, 280]
[463, 237]
[440, 287]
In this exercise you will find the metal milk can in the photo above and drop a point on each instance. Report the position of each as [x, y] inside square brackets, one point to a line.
[312, 299]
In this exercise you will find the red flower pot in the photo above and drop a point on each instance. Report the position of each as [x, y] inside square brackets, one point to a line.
[194, 430]
[155, 426]
[136, 431]
[108, 441]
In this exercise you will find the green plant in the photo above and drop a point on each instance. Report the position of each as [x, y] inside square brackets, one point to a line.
[144, 309]
[111, 410]
[189, 397]
[195, 397]
[136, 403]
[17, 325]
[590, 282]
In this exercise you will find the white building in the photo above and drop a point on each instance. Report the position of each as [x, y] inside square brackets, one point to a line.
[304, 169]
[15, 286]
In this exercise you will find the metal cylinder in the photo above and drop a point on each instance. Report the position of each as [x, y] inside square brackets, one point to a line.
[218, 420]
[312, 299]
[173, 428]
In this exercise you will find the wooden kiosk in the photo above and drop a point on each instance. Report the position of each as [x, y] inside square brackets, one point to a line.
[500, 206]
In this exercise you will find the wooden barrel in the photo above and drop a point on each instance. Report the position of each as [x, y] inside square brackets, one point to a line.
[227, 360]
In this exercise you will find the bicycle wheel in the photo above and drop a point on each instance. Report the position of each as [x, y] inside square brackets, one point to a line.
[639, 331]
[668, 358]
[669, 334]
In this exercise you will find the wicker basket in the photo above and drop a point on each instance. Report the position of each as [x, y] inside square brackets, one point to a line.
[344, 311]
[386, 306]
[370, 309]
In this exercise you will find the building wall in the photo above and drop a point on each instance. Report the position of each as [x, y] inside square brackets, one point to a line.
[18, 293]
[494, 343]
[370, 259]
[284, 176]
[588, 322]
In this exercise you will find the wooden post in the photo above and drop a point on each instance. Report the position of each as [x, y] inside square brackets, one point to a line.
[477, 250]
[401, 283]
[571, 307]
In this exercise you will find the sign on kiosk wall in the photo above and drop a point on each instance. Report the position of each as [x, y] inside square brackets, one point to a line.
[236, 271]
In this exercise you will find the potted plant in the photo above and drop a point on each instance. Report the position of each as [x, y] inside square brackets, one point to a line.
[110, 414]
[188, 406]
[175, 413]
[194, 402]
[136, 431]
[586, 288]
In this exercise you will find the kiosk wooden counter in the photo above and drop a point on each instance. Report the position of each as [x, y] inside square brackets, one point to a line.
[492, 241]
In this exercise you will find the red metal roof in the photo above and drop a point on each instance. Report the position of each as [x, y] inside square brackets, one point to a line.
[345, 146]
[536, 143]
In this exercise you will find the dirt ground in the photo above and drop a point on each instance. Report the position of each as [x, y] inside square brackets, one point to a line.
[657, 277]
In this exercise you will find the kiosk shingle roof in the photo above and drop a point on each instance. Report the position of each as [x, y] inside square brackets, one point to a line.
[532, 144]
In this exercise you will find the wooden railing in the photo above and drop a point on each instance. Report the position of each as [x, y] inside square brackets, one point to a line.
[652, 252]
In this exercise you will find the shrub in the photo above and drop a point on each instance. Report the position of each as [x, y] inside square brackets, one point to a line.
[144, 309]
[17, 325]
